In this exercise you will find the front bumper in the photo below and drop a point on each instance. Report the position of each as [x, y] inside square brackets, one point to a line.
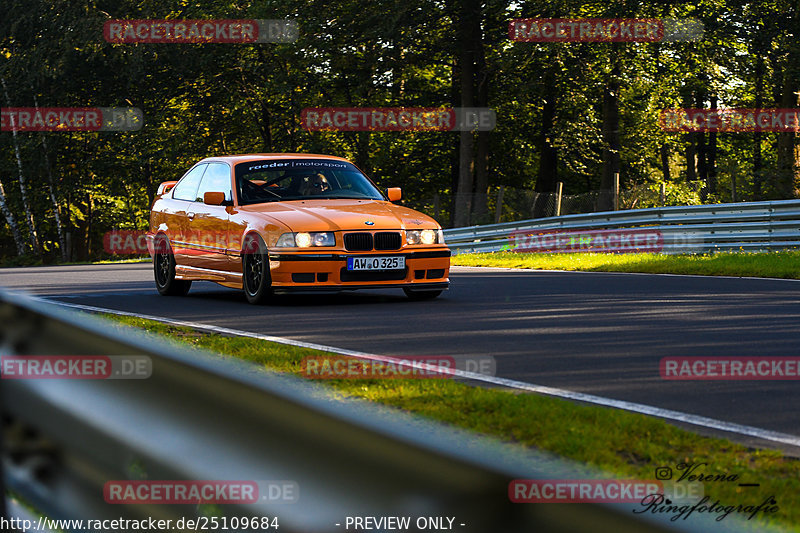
[426, 269]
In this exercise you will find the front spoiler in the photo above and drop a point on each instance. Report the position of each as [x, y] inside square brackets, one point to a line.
[416, 287]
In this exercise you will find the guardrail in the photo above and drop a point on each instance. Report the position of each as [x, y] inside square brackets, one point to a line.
[754, 226]
[200, 417]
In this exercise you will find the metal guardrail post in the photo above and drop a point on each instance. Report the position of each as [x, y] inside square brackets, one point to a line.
[498, 210]
[559, 190]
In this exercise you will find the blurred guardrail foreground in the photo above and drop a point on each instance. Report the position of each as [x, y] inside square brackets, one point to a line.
[201, 417]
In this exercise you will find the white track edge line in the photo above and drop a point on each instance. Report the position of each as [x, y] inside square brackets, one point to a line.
[511, 269]
[678, 416]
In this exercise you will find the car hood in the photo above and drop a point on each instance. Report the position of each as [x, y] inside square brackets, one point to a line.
[343, 215]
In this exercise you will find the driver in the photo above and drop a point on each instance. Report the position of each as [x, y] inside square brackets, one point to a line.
[314, 185]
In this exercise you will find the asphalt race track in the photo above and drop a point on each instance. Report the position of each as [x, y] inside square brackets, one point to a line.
[597, 333]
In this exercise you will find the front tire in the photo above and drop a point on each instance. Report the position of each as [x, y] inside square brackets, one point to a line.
[256, 279]
[164, 271]
[421, 295]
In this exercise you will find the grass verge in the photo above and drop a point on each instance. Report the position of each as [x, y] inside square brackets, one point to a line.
[625, 445]
[763, 265]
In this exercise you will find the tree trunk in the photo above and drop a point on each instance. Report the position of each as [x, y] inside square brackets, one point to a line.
[29, 220]
[150, 187]
[758, 136]
[788, 164]
[611, 135]
[702, 149]
[711, 157]
[690, 152]
[12, 223]
[548, 154]
[266, 127]
[481, 204]
[455, 88]
[362, 140]
[691, 157]
[51, 189]
[665, 162]
[89, 224]
[469, 33]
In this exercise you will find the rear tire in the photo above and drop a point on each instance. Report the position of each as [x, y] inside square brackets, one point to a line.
[256, 279]
[421, 295]
[164, 271]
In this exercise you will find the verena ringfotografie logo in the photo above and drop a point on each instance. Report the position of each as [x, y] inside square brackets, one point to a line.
[730, 368]
[582, 490]
[591, 30]
[729, 120]
[412, 367]
[200, 31]
[76, 366]
[598, 241]
[398, 119]
[693, 477]
[200, 492]
[71, 119]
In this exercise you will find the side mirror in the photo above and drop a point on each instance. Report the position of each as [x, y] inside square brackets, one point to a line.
[213, 198]
[394, 194]
[165, 187]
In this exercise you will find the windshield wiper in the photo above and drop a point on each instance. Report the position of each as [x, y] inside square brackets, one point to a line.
[276, 195]
[352, 198]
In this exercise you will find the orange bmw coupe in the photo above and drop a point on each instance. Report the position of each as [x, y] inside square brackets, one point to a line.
[278, 223]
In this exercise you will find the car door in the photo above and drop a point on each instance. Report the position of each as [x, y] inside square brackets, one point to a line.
[208, 238]
[183, 196]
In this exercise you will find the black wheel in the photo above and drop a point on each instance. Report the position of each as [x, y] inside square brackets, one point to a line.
[164, 270]
[421, 295]
[256, 281]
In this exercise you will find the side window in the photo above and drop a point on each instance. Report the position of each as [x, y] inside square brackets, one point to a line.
[216, 179]
[186, 189]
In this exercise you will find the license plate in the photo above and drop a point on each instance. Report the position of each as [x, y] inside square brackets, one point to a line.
[376, 263]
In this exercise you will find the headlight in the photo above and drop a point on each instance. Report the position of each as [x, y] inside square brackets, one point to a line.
[306, 240]
[286, 241]
[425, 236]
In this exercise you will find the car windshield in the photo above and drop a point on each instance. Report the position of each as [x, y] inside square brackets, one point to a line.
[301, 179]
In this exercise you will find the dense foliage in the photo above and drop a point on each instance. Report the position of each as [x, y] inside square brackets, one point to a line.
[566, 112]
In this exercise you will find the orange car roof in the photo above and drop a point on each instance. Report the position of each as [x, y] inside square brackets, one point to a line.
[243, 158]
